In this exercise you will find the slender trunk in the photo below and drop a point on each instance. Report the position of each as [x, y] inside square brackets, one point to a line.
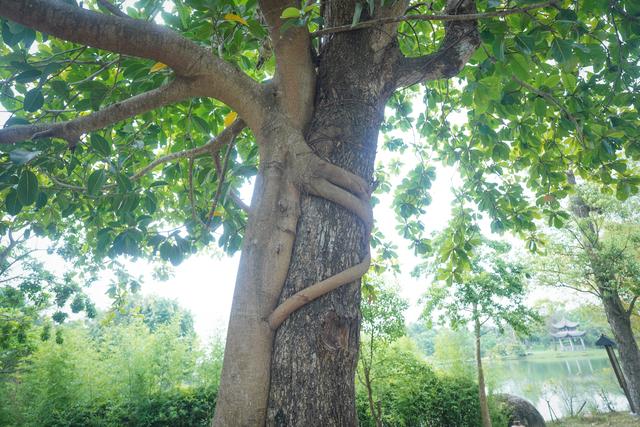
[484, 405]
[372, 407]
[620, 323]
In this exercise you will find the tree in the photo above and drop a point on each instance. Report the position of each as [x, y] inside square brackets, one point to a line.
[382, 323]
[598, 253]
[146, 102]
[492, 291]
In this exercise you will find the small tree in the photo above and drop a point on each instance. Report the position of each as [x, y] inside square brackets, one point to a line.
[382, 323]
[491, 291]
[598, 252]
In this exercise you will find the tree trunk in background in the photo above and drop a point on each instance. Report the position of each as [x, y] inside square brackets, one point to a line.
[620, 323]
[372, 406]
[484, 405]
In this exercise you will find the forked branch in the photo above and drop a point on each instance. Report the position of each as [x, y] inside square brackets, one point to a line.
[71, 131]
[460, 42]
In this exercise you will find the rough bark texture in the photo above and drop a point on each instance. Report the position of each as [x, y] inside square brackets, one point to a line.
[620, 323]
[482, 393]
[323, 337]
[316, 349]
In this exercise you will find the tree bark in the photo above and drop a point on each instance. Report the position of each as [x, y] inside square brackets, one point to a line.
[484, 405]
[620, 323]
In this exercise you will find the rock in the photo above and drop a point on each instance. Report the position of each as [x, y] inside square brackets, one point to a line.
[521, 411]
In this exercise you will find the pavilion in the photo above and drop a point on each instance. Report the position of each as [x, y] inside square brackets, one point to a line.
[566, 332]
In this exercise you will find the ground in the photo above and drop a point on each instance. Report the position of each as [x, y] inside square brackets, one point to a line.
[617, 419]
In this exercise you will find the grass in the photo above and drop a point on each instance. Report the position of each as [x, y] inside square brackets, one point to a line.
[613, 419]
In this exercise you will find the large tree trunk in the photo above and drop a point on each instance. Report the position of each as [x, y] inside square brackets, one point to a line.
[316, 349]
[482, 393]
[620, 323]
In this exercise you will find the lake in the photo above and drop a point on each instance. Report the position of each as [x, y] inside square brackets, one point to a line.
[559, 383]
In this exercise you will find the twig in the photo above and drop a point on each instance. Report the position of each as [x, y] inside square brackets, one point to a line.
[113, 9]
[429, 17]
[553, 100]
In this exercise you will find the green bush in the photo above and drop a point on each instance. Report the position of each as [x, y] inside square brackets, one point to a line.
[411, 394]
[114, 375]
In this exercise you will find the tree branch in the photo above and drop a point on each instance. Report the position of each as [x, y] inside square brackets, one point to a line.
[123, 35]
[313, 292]
[429, 17]
[295, 75]
[460, 42]
[632, 304]
[347, 190]
[178, 90]
[112, 8]
[213, 146]
[142, 39]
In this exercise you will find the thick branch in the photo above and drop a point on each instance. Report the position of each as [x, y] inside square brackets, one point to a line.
[142, 39]
[430, 17]
[295, 74]
[460, 42]
[113, 33]
[178, 90]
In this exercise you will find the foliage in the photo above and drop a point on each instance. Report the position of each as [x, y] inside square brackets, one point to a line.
[598, 251]
[382, 323]
[549, 97]
[411, 393]
[115, 374]
[493, 290]
[535, 99]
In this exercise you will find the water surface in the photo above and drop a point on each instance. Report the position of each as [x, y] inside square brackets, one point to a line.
[560, 383]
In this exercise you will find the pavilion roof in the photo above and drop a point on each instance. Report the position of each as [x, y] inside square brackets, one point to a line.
[564, 323]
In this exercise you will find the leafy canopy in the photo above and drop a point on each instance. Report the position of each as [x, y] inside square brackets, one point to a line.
[550, 95]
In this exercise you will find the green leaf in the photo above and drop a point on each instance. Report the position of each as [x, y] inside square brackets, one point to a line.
[561, 50]
[290, 12]
[96, 181]
[519, 66]
[27, 188]
[540, 107]
[33, 100]
[100, 144]
[28, 76]
[42, 199]
[356, 14]
[11, 202]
